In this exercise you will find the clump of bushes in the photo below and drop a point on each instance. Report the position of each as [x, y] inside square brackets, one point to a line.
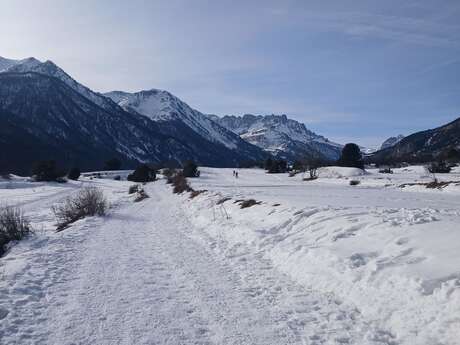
[190, 169]
[439, 168]
[386, 170]
[180, 184]
[89, 201]
[141, 195]
[221, 201]
[195, 193]
[168, 172]
[133, 189]
[74, 174]
[248, 203]
[143, 173]
[274, 166]
[14, 226]
[48, 171]
[354, 182]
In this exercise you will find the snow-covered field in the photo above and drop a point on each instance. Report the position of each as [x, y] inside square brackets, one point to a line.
[316, 262]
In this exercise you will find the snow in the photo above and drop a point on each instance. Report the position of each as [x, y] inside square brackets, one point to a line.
[317, 262]
[390, 253]
[339, 172]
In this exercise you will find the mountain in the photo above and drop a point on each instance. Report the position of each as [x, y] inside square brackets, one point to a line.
[49, 68]
[42, 118]
[45, 114]
[280, 136]
[422, 146]
[171, 114]
[392, 141]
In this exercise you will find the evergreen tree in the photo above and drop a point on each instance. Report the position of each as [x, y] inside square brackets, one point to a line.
[351, 156]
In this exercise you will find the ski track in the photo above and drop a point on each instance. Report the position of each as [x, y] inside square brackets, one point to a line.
[145, 275]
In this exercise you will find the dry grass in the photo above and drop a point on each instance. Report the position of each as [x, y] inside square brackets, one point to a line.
[195, 193]
[141, 195]
[221, 201]
[89, 201]
[14, 226]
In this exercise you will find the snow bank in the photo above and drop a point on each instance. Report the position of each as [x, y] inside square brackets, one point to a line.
[399, 266]
[339, 172]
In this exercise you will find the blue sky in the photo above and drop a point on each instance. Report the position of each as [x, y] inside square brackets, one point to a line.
[351, 70]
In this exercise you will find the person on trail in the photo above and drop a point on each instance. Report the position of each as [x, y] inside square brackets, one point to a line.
[236, 174]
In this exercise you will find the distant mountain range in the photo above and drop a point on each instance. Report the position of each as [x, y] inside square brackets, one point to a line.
[282, 137]
[46, 114]
[422, 146]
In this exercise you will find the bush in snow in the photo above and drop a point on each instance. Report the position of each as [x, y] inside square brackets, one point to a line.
[190, 169]
[141, 195]
[47, 171]
[195, 193]
[439, 167]
[168, 172]
[143, 173]
[13, 226]
[180, 184]
[90, 201]
[274, 166]
[133, 189]
[73, 174]
[248, 203]
[351, 156]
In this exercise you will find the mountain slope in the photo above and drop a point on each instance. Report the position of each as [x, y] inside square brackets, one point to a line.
[283, 137]
[175, 117]
[392, 141]
[49, 68]
[56, 122]
[424, 145]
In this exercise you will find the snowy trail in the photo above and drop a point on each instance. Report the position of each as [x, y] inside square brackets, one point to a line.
[147, 276]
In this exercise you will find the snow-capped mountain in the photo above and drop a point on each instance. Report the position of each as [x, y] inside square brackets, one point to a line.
[281, 136]
[392, 141]
[46, 114]
[166, 110]
[49, 68]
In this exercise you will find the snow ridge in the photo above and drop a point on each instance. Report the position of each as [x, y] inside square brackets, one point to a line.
[162, 106]
[279, 135]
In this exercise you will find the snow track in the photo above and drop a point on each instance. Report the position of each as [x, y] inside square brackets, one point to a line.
[146, 275]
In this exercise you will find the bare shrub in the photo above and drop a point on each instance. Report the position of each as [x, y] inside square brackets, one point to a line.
[90, 201]
[354, 182]
[14, 226]
[249, 203]
[180, 184]
[133, 189]
[168, 172]
[195, 193]
[141, 195]
[221, 201]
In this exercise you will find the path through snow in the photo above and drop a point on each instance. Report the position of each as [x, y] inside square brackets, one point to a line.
[145, 275]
